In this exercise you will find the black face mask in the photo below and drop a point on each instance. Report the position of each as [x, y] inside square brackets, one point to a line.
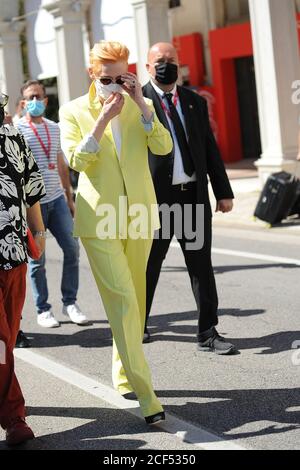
[166, 73]
[2, 115]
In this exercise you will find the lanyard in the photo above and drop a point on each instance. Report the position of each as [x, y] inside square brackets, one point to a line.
[47, 150]
[166, 110]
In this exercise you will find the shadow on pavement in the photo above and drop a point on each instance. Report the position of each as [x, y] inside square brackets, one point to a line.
[170, 322]
[166, 327]
[84, 338]
[158, 326]
[265, 410]
[236, 267]
[272, 344]
[246, 267]
[101, 337]
[99, 434]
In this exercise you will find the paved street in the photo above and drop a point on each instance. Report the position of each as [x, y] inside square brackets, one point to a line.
[250, 400]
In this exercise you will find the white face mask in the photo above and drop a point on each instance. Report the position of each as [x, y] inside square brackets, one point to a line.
[106, 90]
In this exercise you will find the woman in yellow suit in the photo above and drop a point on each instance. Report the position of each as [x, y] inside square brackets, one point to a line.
[105, 136]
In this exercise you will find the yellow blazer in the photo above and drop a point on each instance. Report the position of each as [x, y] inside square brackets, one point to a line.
[103, 176]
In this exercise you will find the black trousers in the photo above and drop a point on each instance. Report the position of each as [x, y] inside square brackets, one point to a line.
[198, 261]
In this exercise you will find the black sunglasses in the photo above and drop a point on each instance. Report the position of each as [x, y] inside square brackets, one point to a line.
[3, 100]
[31, 97]
[108, 81]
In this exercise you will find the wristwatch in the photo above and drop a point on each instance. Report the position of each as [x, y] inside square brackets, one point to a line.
[40, 233]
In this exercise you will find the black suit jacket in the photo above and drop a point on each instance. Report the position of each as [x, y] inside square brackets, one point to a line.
[204, 149]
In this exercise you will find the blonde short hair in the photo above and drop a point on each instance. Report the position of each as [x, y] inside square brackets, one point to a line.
[105, 52]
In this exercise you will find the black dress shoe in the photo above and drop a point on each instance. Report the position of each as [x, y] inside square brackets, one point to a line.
[217, 344]
[155, 419]
[147, 337]
[22, 341]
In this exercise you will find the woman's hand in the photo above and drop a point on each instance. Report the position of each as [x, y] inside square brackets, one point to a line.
[8, 119]
[112, 107]
[133, 87]
[41, 243]
[71, 205]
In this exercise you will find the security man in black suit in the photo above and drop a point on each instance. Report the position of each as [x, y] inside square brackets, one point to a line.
[181, 179]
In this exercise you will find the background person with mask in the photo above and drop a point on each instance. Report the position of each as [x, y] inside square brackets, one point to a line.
[43, 137]
[105, 136]
[19, 112]
[181, 178]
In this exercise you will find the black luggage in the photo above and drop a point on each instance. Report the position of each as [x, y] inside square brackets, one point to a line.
[278, 197]
[296, 207]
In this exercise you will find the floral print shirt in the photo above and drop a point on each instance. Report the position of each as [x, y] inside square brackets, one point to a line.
[21, 186]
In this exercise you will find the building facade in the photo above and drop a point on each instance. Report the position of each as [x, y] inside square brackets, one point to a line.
[242, 55]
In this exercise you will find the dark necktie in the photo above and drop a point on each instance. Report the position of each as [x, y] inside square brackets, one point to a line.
[187, 161]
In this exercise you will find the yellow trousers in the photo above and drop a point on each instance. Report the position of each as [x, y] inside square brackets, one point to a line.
[119, 268]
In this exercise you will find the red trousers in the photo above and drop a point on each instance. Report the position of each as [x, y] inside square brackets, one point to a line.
[12, 297]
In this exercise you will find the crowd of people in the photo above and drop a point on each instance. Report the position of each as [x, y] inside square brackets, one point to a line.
[149, 146]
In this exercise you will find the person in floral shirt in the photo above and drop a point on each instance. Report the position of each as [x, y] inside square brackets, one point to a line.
[21, 187]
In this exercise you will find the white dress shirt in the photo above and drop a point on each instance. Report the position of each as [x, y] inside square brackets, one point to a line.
[179, 176]
[116, 132]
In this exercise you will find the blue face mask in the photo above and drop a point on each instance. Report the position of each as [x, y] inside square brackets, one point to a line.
[35, 107]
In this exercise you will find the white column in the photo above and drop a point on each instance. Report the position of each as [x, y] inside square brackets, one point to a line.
[233, 11]
[11, 68]
[217, 12]
[277, 66]
[69, 22]
[198, 16]
[207, 22]
[152, 26]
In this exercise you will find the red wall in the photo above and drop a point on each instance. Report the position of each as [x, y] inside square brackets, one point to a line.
[226, 45]
[132, 68]
[298, 26]
[209, 94]
[190, 53]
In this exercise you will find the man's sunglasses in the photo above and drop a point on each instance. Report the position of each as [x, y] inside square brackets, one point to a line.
[31, 97]
[108, 81]
[3, 100]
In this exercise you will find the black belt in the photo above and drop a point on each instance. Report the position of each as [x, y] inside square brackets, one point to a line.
[185, 186]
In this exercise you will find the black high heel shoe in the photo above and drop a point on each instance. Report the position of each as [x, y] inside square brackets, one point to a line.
[130, 396]
[155, 419]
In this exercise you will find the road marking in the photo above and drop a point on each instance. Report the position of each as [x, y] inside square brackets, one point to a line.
[183, 430]
[246, 254]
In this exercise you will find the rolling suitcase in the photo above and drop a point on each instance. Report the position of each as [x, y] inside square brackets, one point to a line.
[278, 197]
[296, 207]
